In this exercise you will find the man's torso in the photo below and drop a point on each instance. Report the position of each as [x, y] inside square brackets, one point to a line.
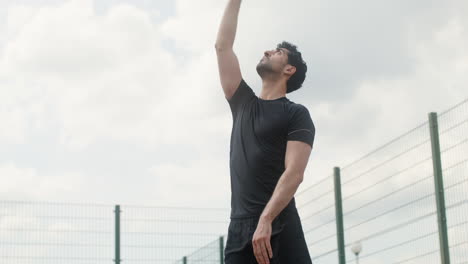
[257, 149]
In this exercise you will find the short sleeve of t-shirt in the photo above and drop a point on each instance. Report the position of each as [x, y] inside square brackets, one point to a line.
[242, 95]
[301, 127]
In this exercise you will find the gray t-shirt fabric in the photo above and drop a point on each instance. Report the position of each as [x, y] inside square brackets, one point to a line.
[260, 132]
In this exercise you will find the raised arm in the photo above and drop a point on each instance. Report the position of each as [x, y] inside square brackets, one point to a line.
[228, 65]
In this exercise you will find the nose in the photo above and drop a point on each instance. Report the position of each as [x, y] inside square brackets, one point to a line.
[267, 53]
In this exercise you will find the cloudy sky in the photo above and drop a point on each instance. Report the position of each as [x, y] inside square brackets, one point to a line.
[119, 101]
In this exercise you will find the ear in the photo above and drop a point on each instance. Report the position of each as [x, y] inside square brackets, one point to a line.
[289, 70]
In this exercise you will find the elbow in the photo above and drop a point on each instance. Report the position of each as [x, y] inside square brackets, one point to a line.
[219, 47]
[294, 176]
[300, 178]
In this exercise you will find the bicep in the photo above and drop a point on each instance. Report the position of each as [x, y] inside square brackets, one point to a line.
[229, 71]
[297, 156]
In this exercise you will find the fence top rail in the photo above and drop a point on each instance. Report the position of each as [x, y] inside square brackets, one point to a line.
[465, 101]
[454, 107]
[385, 145]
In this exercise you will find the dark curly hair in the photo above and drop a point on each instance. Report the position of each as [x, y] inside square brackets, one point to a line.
[295, 59]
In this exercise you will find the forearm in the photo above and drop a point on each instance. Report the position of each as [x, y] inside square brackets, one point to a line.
[228, 26]
[282, 195]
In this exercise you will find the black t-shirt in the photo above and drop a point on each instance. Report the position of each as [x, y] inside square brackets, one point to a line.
[261, 129]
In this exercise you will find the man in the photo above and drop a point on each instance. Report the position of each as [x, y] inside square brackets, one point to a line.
[271, 141]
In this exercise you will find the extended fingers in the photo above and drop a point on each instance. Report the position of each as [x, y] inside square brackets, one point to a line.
[262, 250]
[266, 260]
[257, 251]
[270, 251]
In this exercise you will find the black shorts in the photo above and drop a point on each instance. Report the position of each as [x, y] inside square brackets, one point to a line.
[287, 241]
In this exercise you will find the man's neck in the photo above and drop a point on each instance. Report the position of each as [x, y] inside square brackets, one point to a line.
[273, 89]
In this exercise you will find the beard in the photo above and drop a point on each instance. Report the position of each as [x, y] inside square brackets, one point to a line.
[264, 69]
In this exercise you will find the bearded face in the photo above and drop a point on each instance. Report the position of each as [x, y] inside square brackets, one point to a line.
[272, 63]
[264, 67]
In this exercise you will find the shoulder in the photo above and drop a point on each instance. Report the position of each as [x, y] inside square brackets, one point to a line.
[297, 109]
[299, 113]
[242, 94]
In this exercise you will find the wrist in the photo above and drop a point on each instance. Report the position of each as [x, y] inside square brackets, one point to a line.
[266, 218]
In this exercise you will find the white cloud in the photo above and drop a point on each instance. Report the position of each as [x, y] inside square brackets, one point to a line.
[95, 78]
[14, 124]
[195, 24]
[101, 75]
[204, 181]
[27, 183]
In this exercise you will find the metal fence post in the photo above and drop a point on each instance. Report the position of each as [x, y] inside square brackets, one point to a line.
[439, 189]
[117, 234]
[184, 260]
[221, 250]
[339, 216]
